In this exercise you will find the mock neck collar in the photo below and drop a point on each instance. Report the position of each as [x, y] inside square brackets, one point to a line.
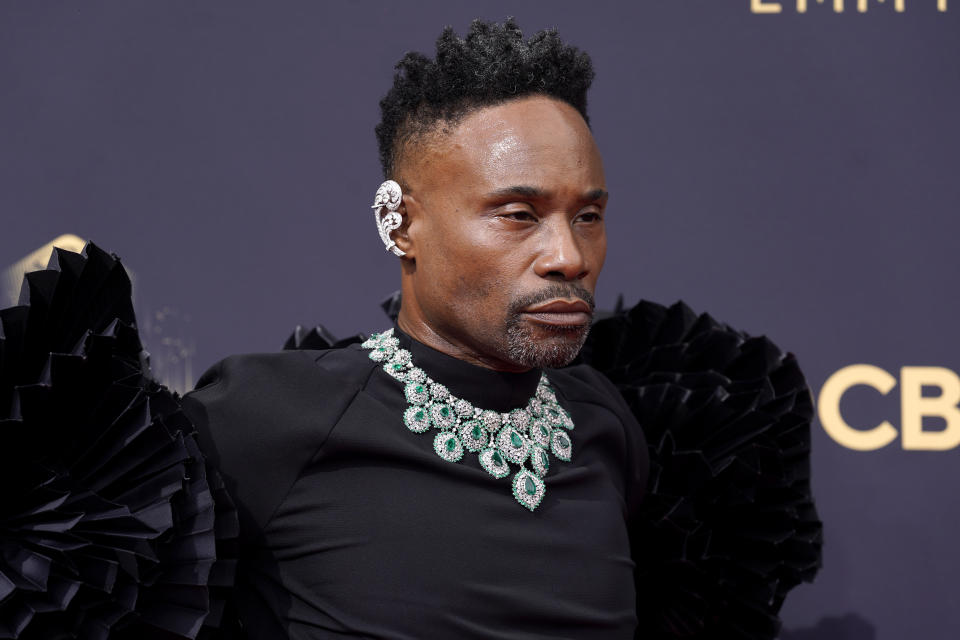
[482, 387]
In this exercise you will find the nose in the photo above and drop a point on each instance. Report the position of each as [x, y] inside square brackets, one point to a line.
[561, 256]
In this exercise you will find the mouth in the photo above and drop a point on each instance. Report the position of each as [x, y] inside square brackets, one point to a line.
[560, 313]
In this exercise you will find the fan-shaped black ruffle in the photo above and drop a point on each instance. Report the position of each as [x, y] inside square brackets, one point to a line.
[111, 523]
[319, 337]
[728, 525]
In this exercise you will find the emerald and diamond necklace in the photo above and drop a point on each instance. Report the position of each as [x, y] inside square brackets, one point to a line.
[523, 436]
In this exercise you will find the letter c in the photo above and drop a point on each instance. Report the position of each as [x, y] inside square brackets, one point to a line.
[829, 407]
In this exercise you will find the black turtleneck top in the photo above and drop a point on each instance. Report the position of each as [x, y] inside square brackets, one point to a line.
[351, 524]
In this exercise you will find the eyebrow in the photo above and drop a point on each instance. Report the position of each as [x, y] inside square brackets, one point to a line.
[520, 190]
[596, 194]
[526, 191]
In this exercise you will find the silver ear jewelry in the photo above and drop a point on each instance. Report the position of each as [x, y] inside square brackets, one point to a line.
[388, 195]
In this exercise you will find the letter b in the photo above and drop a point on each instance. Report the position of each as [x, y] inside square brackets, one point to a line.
[913, 406]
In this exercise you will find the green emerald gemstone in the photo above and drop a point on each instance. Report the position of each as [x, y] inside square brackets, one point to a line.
[543, 431]
[562, 441]
[497, 459]
[451, 444]
[515, 439]
[476, 432]
[381, 348]
[420, 415]
[553, 412]
[418, 389]
[529, 486]
[397, 367]
[544, 460]
[444, 411]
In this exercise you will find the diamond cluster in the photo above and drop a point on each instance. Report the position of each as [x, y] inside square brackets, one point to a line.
[522, 436]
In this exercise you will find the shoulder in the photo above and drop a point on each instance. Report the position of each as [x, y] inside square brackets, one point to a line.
[261, 417]
[342, 367]
[261, 396]
[583, 383]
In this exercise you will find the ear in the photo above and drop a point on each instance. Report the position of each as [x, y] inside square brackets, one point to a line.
[405, 235]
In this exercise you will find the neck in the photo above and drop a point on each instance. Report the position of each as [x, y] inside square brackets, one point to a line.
[415, 325]
[481, 386]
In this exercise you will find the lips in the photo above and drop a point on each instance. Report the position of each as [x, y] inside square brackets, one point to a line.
[561, 313]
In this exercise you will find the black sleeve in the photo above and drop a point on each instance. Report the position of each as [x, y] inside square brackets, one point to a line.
[261, 418]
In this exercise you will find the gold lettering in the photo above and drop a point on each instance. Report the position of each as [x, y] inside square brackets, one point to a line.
[913, 406]
[759, 6]
[862, 5]
[767, 6]
[829, 407]
[802, 5]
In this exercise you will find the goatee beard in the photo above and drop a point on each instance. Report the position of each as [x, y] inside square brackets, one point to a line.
[563, 342]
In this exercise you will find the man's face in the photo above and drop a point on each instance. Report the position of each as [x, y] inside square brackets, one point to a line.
[505, 235]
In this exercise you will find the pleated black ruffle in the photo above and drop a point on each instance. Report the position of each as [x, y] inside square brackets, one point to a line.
[728, 526]
[319, 337]
[111, 522]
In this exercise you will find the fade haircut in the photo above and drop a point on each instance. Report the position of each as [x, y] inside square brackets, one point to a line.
[493, 64]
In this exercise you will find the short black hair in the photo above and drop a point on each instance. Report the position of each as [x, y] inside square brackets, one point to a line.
[493, 64]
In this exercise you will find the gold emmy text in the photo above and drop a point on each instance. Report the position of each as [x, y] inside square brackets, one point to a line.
[768, 6]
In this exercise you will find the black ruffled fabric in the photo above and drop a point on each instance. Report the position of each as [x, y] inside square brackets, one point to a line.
[318, 337]
[728, 525]
[111, 523]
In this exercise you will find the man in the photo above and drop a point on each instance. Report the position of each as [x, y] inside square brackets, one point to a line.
[352, 523]
[374, 481]
[451, 476]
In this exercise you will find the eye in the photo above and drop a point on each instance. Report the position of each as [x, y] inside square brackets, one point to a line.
[519, 216]
[589, 216]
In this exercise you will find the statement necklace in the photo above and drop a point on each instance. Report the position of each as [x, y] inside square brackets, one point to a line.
[522, 436]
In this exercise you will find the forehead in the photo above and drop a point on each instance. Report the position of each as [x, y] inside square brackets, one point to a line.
[535, 141]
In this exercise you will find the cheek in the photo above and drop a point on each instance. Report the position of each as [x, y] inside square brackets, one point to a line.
[447, 272]
[470, 271]
[601, 253]
[475, 282]
[472, 297]
[483, 287]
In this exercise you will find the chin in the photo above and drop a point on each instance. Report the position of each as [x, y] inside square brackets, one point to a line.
[545, 345]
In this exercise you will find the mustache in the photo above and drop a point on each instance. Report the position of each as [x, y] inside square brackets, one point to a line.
[551, 292]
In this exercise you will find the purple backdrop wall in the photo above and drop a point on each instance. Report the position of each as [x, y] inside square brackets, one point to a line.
[794, 174]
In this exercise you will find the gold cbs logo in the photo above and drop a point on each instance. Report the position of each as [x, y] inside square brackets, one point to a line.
[913, 407]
